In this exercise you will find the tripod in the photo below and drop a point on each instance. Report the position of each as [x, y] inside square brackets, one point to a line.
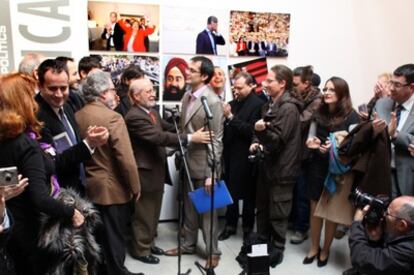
[180, 198]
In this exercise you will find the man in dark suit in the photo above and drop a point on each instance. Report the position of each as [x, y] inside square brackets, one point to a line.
[199, 156]
[58, 118]
[112, 172]
[208, 39]
[149, 134]
[113, 34]
[241, 114]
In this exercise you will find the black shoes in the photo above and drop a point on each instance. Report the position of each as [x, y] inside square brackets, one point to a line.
[309, 260]
[155, 250]
[324, 262]
[149, 259]
[226, 233]
[133, 273]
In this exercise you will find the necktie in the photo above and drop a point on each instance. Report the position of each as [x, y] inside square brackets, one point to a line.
[74, 141]
[153, 117]
[398, 110]
[67, 127]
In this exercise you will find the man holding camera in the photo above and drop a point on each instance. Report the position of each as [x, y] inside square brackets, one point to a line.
[388, 247]
[279, 133]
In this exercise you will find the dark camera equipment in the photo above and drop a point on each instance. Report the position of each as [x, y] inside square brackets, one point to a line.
[377, 207]
[257, 156]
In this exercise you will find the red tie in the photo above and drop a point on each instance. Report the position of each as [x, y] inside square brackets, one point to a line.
[153, 117]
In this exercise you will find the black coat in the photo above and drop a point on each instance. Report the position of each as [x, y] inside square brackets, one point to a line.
[27, 156]
[238, 133]
[118, 38]
[6, 263]
[203, 43]
[393, 256]
[68, 163]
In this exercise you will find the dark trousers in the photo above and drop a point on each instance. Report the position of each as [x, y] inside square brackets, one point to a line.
[232, 215]
[112, 237]
[299, 215]
[273, 202]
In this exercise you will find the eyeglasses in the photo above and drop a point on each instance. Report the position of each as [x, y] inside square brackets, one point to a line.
[328, 90]
[113, 90]
[54, 89]
[387, 213]
[193, 71]
[398, 85]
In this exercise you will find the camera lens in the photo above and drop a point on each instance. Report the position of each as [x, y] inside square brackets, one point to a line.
[8, 177]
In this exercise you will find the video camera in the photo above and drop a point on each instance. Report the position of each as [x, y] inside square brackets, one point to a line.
[257, 156]
[377, 207]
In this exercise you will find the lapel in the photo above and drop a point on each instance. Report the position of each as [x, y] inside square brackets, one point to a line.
[409, 122]
[48, 112]
[197, 105]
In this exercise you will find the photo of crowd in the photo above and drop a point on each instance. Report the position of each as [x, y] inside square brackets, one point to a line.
[257, 68]
[259, 34]
[123, 27]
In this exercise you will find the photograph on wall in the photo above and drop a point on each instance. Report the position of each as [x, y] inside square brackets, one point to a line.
[117, 65]
[259, 34]
[257, 68]
[194, 31]
[175, 77]
[123, 27]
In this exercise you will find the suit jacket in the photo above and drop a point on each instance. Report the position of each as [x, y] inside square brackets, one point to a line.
[238, 134]
[203, 43]
[75, 101]
[112, 172]
[68, 162]
[199, 156]
[117, 37]
[404, 162]
[148, 141]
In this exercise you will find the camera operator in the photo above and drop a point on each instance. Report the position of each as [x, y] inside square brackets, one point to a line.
[388, 246]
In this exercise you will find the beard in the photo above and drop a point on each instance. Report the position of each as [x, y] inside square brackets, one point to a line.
[172, 93]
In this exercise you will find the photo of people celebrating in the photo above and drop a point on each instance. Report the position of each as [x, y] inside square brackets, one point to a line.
[123, 27]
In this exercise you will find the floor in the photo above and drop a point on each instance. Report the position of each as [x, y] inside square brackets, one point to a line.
[292, 263]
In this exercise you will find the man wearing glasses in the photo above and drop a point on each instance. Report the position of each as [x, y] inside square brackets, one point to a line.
[388, 248]
[401, 129]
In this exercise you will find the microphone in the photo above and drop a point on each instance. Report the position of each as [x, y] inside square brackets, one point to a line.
[209, 115]
[171, 112]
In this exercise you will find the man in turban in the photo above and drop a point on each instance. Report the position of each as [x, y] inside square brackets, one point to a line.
[175, 77]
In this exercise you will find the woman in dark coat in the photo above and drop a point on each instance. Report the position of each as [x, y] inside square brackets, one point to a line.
[334, 114]
[19, 131]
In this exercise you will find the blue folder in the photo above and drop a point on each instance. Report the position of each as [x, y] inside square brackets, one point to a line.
[202, 200]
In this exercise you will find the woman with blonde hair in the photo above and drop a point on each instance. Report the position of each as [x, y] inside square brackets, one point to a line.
[19, 132]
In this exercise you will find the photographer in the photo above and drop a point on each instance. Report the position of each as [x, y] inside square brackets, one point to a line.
[388, 247]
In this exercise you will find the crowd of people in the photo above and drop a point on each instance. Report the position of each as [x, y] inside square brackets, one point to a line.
[259, 34]
[293, 157]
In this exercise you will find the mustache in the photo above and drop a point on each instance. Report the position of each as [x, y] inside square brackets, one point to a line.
[172, 89]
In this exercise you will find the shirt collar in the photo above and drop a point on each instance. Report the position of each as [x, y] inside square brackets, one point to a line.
[408, 104]
[143, 108]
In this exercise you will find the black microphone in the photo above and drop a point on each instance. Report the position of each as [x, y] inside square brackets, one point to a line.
[209, 115]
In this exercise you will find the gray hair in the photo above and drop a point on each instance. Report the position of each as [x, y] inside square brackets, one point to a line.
[406, 212]
[30, 63]
[96, 84]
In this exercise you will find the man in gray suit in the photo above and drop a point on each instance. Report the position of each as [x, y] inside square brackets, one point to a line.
[401, 129]
[199, 156]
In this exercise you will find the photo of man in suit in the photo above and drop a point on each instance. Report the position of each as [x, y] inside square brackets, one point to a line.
[149, 135]
[208, 39]
[199, 156]
[112, 173]
[113, 34]
[58, 118]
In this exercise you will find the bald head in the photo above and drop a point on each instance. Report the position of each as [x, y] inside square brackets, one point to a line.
[30, 63]
[142, 93]
[404, 206]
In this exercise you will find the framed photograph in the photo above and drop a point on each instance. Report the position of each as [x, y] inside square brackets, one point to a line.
[256, 67]
[116, 64]
[127, 27]
[194, 31]
[259, 34]
[62, 142]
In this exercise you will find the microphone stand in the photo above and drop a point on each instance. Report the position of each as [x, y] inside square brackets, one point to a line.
[210, 269]
[180, 195]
